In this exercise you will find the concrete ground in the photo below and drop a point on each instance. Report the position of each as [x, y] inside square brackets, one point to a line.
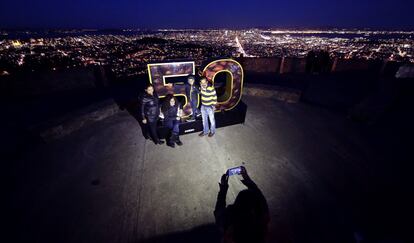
[106, 183]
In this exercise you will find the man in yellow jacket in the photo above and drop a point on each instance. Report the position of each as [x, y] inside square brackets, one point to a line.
[208, 102]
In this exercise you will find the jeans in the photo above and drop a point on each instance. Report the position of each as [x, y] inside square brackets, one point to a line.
[208, 114]
[173, 125]
[152, 128]
[194, 108]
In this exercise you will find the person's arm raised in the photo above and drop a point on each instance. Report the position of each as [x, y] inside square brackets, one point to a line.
[221, 199]
[247, 181]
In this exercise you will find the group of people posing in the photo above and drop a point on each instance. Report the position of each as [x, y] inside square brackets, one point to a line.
[171, 111]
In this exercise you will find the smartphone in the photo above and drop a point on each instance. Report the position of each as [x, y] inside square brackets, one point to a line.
[234, 171]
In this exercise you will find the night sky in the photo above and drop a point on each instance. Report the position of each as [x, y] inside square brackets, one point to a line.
[388, 14]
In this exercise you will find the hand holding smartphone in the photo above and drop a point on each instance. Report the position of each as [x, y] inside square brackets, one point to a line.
[240, 170]
[234, 171]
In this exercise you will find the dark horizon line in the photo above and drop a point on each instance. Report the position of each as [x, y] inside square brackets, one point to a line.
[203, 28]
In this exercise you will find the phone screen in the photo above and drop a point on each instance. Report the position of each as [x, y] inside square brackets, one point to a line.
[234, 171]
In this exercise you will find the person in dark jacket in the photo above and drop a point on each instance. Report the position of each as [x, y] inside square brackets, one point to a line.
[192, 92]
[150, 111]
[247, 219]
[172, 115]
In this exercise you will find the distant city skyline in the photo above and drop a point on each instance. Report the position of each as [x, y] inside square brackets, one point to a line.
[126, 53]
[185, 14]
[321, 28]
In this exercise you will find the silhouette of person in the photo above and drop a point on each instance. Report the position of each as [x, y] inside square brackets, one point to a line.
[310, 61]
[247, 219]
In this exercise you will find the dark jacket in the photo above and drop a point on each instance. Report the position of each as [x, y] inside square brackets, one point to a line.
[170, 112]
[192, 92]
[150, 109]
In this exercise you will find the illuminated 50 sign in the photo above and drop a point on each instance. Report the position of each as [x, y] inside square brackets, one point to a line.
[227, 100]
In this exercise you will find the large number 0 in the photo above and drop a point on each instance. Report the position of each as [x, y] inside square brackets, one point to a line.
[234, 82]
[158, 73]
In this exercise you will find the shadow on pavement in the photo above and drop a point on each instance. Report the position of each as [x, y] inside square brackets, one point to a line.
[201, 234]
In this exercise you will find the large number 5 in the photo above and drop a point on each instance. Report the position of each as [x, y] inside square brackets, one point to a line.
[160, 71]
